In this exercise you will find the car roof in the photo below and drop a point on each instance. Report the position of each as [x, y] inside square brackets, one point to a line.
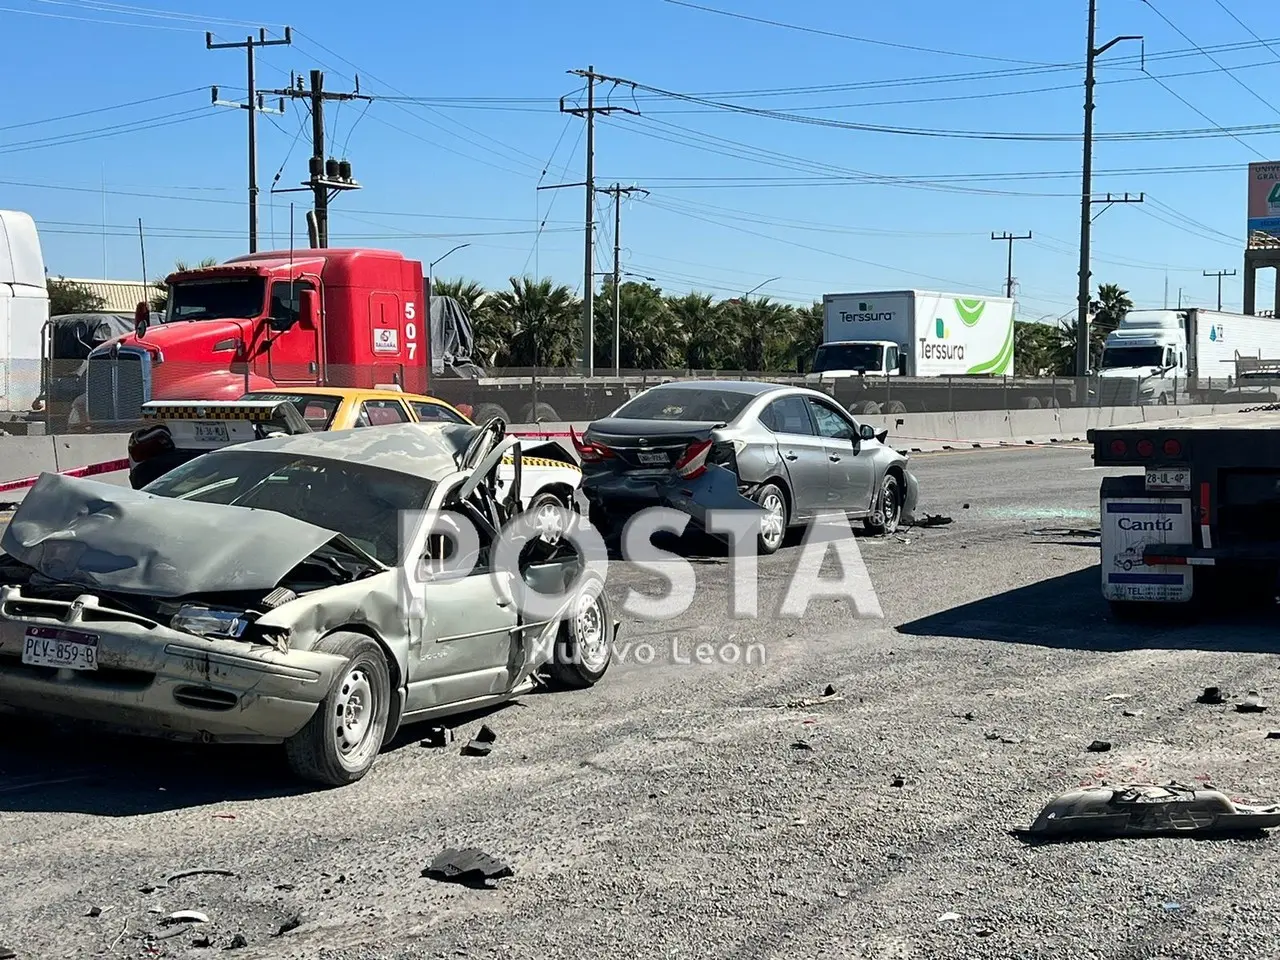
[753, 387]
[427, 450]
[352, 393]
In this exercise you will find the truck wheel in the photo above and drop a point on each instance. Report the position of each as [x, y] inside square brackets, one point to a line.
[345, 735]
[1049, 403]
[539, 411]
[487, 411]
[1030, 403]
[868, 408]
[895, 406]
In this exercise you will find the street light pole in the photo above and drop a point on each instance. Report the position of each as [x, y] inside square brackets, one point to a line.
[758, 286]
[431, 267]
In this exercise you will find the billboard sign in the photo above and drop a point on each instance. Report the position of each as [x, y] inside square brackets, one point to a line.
[1264, 199]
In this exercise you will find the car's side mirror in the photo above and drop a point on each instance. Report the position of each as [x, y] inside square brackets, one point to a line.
[142, 318]
[867, 432]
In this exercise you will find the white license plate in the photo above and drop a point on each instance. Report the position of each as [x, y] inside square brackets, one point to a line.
[652, 457]
[211, 432]
[55, 647]
[1172, 478]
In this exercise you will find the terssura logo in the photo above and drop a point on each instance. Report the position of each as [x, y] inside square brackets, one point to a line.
[1215, 333]
[865, 313]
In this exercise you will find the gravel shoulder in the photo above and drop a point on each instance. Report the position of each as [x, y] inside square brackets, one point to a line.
[669, 811]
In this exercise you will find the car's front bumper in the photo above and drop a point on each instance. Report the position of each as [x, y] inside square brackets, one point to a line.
[911, 499]
[157, 681]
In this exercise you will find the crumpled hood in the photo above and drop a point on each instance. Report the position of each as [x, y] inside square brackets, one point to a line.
[105, 537]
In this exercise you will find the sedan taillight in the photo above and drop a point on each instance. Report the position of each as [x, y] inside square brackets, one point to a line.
[590, 452]
[693, 462]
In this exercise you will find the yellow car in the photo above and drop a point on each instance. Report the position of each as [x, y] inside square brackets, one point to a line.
[184, 429]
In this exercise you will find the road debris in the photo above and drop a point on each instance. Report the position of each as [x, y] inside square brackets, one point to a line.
[1099, 746]
[1251, 704]
[802, 745]
[1273, 734]
[1211, 695]
[7, 954]
[949, 917]
[1001, 737]
[1134, 713]
[198, 872]
[237, 942]
[805, 703]
[830, 691]
[201, 943]
[93, 912]
[476, 748]
[438, 737]
[470, 867]
[293, 923]
[898, 782]
[485, 734]
[930, 520]
[1145, 809]
[185, 916]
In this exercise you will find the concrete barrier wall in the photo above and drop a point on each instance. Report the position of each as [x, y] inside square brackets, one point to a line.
[22, 457]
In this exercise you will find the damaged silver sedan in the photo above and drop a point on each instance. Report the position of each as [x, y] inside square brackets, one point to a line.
[261, 594]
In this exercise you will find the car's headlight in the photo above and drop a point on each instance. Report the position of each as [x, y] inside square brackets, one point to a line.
[208, 622]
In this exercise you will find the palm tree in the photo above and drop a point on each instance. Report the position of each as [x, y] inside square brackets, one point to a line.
[755, 327]
[1111, 306]
[160, 302]
[651, 335]
[701, 320]
[799, 343]
[543, 320]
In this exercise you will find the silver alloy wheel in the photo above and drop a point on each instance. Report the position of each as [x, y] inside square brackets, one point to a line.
[548, 520]
[771, 526]
[591, 636]
[354, 712]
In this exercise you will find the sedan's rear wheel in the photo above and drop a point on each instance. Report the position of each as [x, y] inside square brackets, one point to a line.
[773, 525]
[342, 739]
[547, 512]
[887, 515]
[584, 648]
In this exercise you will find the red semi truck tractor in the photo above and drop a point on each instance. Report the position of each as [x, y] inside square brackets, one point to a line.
[340, 317]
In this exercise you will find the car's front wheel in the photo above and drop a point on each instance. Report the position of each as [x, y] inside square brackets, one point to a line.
[885, 519]
[547, 512]
[584, 647]
[343, 738]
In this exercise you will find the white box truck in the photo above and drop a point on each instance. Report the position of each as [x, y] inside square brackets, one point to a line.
[917, 335]
[1175, 356]
[24, 312]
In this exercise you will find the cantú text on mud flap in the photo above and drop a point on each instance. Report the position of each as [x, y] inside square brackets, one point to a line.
[1153, 525]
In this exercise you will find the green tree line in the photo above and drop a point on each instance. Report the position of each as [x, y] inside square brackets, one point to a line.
[1049, 350]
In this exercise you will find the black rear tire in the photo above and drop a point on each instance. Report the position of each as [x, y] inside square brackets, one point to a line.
[777, 518]
[484, 412]
[343, 738]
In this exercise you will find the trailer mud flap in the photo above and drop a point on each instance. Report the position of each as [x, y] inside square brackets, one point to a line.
[1129, 524]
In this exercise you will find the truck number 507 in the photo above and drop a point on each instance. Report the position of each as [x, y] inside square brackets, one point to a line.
[410, 328]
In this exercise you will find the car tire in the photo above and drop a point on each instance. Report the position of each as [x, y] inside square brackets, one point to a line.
[887, 512]
[485, 412]
[895, 406]
[544, 500]
[335, 751]
[583, 647]
[773, 527]
[539, 412]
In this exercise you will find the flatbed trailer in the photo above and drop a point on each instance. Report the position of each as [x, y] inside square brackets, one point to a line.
[1203, 515]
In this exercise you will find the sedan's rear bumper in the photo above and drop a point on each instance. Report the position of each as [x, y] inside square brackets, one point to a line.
[162, 682]
[621, 495]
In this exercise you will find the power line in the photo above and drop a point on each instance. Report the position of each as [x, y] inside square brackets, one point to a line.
[102, 133]
[1249, 30]
[845, 36]
[97, 110]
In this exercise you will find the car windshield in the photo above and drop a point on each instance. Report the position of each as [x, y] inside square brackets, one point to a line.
[315, 408]
[359, 501]
[239, 297]
[1114, 357]
[849, 356]
[683, 403]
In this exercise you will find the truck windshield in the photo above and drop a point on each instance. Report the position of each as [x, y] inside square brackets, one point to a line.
[217, 297]
[1115, 357]
[849, 356]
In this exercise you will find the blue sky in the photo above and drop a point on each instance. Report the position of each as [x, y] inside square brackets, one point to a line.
[467, 120]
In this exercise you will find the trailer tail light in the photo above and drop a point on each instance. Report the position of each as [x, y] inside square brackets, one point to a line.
[1172, 448]
[693, 462]
[1119, 448]
[1146, 448]
[589, 452]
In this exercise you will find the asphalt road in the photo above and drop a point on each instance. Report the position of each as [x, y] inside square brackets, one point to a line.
[669, 812]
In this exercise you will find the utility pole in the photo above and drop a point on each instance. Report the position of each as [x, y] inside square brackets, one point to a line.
[329, 176]
[1086, 187]
[588, 269]
[1220, 274]
[255, 104]
[1009, 238]
[617, 191]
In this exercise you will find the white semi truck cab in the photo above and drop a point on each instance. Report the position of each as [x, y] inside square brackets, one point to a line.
[856, 357]
[24, 312]
[1148, 349]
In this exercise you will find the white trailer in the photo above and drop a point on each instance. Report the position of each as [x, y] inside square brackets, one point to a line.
[24, 312]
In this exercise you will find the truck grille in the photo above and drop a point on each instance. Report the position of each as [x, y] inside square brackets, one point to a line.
[1117, 392]
[119, 386]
